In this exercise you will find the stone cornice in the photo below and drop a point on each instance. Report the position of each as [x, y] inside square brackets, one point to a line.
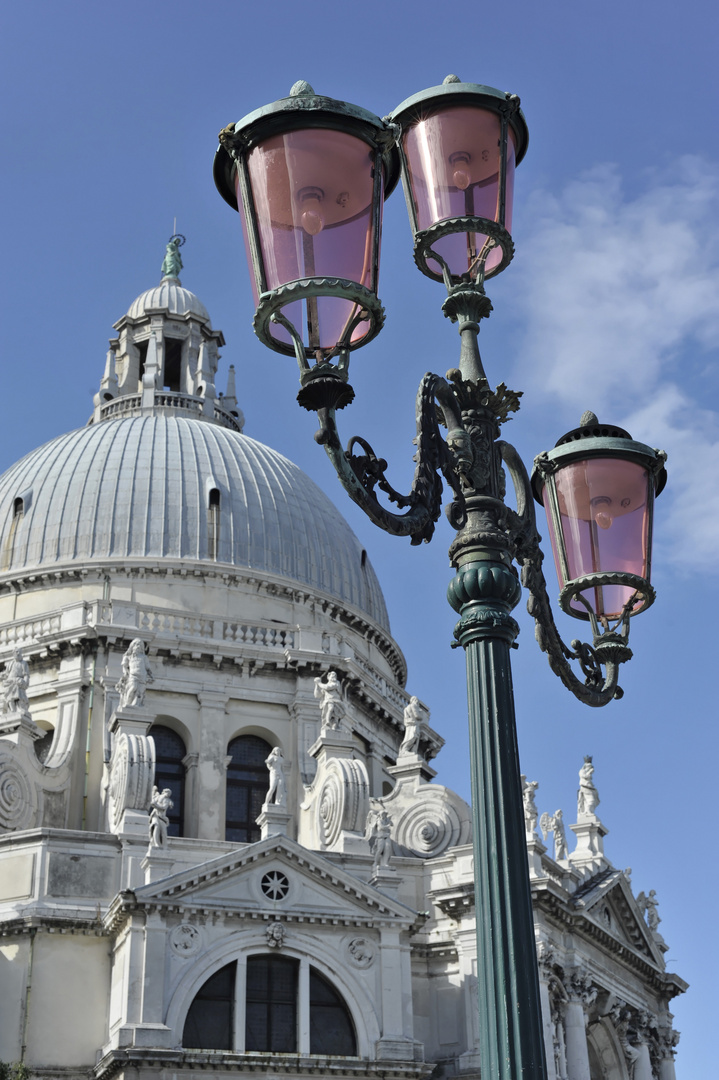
[191, 1061]
[559, 912]
[294, 592]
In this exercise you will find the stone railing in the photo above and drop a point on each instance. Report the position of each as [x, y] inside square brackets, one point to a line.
[166, 399]
[29, 630]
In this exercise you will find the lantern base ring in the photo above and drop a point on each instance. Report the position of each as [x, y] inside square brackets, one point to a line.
[574, 588]
[365, 300]
[424, 240]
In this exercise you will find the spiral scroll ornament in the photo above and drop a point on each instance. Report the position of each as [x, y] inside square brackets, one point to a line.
[132, 774]
[429, 827]
[18, 798]
[343, 800]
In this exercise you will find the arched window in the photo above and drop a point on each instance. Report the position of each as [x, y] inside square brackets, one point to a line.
[247, 785]
[331, 1027]
[275, 987]
[209, 1021]
[213, 524]
[170, 772]
[271, 1004]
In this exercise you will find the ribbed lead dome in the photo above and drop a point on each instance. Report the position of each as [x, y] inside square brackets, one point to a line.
[139, 487]
[169, 296]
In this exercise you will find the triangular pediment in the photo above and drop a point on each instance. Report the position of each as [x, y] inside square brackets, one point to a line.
[608, 901]
[276, 878]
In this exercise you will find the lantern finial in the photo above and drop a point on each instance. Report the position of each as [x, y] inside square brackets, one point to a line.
[588, 418]
[450, 79]
[302, 89]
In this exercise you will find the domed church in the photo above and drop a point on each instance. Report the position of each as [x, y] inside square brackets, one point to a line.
[222, 846]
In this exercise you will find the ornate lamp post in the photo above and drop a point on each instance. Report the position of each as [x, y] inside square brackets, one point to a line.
[310, 174]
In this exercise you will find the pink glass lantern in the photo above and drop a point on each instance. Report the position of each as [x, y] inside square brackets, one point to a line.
[460, 143]
[598, 488]
[309, 175]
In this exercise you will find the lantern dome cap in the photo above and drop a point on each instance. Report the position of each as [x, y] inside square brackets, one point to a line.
[591, 440]
[455, 92]
[304, 108]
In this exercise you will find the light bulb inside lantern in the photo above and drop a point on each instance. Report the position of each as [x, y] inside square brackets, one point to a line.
[311, 219]
[601, 513]
[460, 177]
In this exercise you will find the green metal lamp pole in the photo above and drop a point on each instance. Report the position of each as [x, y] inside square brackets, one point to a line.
[307, 171]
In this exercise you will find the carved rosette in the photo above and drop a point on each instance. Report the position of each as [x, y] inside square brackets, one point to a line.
[342, 801]
[132, 775]
[18, 797]
[428, 827]
[186, 940]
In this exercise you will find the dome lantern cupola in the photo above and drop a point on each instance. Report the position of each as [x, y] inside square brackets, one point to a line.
[166, 355]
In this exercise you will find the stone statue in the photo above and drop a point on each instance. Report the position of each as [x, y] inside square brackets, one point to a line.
[332, 704]
[136, 674]
[275, 935]
[529, 788]
[172, 263]
[587, 796]
[413, 723]
[15, 680]
[555, 823]
[379, 834]
[648, 906]
[277, 792]
[160, 804]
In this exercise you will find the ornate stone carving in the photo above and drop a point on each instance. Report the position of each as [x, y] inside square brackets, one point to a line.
[580, 987]
[18, 797]
[277, 792]
[379, 834]
[413, 724]
[360, 952]
[15, 681]
[429, 826]
[648, 906]
[529, 789]
[332, 703]
[275, 935]
[555, 823]
[186, 940]
[132, 774]
[160, 803]
[587, 795]
[342, 801]
[136, 674]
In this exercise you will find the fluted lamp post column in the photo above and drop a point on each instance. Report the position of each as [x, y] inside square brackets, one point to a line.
[310, 175]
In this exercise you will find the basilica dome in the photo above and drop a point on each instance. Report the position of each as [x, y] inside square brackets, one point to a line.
[141, 487]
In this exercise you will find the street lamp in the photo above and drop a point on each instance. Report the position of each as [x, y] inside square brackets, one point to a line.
[310, 174]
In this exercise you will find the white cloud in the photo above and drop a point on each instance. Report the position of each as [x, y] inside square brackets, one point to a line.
[619, 295]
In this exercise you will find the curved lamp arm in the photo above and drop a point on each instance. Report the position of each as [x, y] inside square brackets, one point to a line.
[608, 650]
[360, 473]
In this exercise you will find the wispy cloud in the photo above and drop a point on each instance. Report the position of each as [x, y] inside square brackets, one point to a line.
[620, 296]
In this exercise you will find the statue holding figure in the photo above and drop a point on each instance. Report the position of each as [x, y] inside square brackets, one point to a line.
[160, 805]
[172, 263]
[587, 796]
[277, 792]
[413, 724]
[555, 823]
[332, 703]
[529, 788]
[136, 674]
[379, 834]
[15, 681]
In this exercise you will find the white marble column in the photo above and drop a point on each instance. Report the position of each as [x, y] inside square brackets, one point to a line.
[643, 1066]
[575, 1034]
[212, 766]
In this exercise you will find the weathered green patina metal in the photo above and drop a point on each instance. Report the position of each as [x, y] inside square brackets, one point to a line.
[470, 457]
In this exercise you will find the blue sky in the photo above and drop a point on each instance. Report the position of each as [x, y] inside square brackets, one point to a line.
[108, 131]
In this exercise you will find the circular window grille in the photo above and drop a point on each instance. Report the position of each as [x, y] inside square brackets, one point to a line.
[275, 885]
